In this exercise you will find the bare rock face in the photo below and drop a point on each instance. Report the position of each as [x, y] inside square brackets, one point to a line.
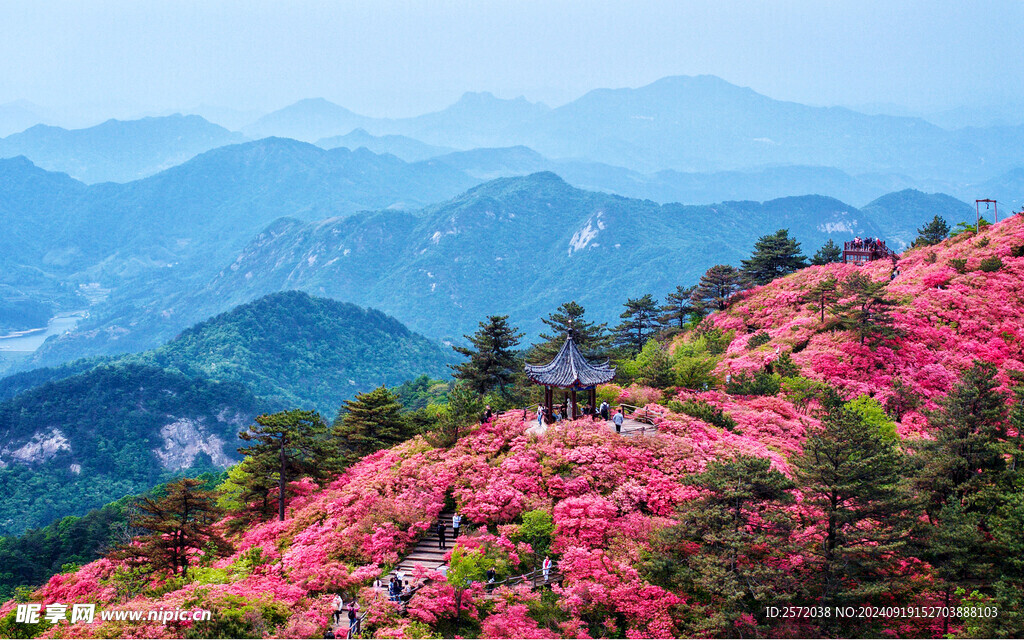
[42, 446]
[186, 438]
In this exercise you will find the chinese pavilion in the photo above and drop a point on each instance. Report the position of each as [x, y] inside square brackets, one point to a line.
[572, 372]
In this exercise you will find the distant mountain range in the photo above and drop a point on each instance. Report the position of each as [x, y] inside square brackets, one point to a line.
[404, 147]
[118, 151]
[62, 238]
[688, 124]
[518, 246]
[123, 424]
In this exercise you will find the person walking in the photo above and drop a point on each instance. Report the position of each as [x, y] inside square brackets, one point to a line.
[492, 575]
[440, 536]
[456, 523]
[604, 410]
[339, 606]
[546, 568]
[618, 420]
[540, 415]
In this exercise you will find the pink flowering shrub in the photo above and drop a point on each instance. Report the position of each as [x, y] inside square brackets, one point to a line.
[638, 396]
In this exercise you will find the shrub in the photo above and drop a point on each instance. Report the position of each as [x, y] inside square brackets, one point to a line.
[874, 415]
[758, 339]
[982, 243]
[761, 383]
[931, 257]
[785, 367]
[704, 411]
[959, 264]
[1018, 251]
[989, 265]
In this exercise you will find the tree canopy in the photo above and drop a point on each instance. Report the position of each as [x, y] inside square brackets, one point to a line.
[492, 361]
[774, 256]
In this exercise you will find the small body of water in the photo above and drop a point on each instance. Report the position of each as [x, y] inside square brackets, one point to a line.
[29, 341]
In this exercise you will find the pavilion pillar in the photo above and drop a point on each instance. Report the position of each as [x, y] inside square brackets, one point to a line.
[549, 402]
[572, 405]
[593, 399]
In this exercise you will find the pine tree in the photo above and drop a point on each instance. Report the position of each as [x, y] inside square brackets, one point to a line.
[639, 321]
[823, 294]
[932, 233]
[866, 313]
[851, 474]
[678, 307]
[286, 446]
[177, 523]
[716, 286]
[965, 479]
[829, 252]
[371, 421]
[966, 454]
[774, 256]
[730, 544]
[591, 339]
[492, 360]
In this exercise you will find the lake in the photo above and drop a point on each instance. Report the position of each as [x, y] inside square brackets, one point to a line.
[27, 343]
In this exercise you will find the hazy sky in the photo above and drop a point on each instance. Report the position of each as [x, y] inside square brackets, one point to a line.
[402, 58]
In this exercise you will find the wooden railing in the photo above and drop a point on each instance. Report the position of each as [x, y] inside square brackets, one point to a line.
[643, 414]
[535, 578]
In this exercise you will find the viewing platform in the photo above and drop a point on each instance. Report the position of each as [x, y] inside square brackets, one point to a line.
[862, 251]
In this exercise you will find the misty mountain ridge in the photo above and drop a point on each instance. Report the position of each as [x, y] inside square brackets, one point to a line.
[518, 246]
[118, 150]
[692, 124]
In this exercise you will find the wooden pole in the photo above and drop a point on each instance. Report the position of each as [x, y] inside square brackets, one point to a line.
[572, 406]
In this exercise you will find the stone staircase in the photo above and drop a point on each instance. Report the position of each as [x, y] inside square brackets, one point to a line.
[426, 552]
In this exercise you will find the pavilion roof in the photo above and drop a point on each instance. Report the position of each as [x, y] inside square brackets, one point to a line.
[570, 369]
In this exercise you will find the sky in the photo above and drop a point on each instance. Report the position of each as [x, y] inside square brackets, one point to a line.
[386, 58]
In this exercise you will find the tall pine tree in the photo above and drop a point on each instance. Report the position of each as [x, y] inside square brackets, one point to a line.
[828, 252]
[851, 474]
[823, 294]
[932, 233]
[369, 422]
[965, 479]
[286, 446]
[177, 524]
[716, 287]
[591, 338]
[866, 311]
[730, 544]
[639, 322]
[491, 359]
[678, 307]
[774, 256]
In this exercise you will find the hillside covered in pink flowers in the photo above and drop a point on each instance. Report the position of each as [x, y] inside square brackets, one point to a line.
[649, 540]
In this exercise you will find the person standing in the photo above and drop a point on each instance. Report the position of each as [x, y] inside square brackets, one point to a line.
[440, 536]
[604, 410]
[546, 567]
[618, 419]
[540, 415]
[456, 523]
[353, 618]
[492, 575]
[488, 414]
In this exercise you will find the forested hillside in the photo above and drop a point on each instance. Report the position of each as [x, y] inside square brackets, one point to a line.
[75, 437]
